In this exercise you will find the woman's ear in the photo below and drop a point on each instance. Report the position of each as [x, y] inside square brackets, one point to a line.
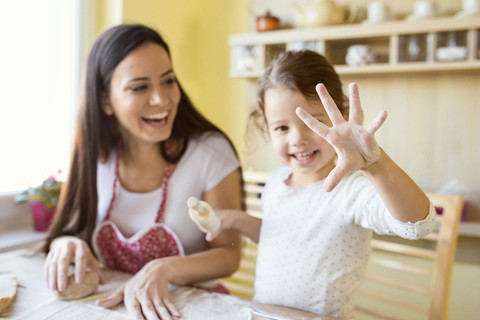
[106, 106]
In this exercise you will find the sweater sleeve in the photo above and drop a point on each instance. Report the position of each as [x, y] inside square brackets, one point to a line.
[368, 210]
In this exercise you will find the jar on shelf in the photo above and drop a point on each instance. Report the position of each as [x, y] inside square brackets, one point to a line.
[412, 48]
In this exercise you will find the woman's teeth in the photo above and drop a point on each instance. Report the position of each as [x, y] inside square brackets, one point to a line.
[156, 116]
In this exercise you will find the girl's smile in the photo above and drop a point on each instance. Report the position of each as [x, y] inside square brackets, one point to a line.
[304, 158]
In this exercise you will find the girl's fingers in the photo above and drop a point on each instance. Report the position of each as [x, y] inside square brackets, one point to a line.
[356, 114]
[329, 105]
[210, 236]
[377, 122]
[314, 125]
[334, 177]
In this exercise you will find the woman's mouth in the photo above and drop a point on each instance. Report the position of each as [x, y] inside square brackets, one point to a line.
[156, 118]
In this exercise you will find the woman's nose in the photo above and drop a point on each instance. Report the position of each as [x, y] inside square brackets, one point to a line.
[157, 97]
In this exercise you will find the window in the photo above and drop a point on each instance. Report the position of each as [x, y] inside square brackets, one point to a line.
[40, 50]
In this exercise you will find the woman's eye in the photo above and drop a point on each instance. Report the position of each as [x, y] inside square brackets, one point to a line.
[139, 88]
[281, 128]
[169, 81]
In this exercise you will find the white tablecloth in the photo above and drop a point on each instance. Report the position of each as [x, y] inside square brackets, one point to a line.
[35, 301]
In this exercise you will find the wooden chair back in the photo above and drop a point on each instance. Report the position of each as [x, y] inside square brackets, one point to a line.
[410, 279]
[241, 282]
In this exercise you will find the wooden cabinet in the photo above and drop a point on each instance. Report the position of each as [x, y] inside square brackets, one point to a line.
[440, 44]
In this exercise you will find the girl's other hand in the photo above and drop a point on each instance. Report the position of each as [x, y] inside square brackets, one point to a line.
[354, 144]
[63, 252]
[227, 221]
[146, 295]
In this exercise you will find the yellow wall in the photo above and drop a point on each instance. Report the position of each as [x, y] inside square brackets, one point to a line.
[108, 13]
[197, 33]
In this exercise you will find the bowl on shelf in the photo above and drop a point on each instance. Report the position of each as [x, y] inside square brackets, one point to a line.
[359, 55]
[451, 53]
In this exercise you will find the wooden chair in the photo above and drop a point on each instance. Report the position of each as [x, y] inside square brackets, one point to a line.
[410, 279]
[241, 282]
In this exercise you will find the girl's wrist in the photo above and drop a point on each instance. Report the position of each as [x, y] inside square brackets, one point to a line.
[376, 166]
[240, 219]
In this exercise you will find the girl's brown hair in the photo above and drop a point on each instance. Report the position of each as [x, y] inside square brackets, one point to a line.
[97, 134]
[299, 71]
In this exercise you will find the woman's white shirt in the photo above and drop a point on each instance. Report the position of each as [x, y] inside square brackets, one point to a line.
[207, 161]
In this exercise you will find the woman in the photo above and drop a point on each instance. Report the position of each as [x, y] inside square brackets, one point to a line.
[141, 150]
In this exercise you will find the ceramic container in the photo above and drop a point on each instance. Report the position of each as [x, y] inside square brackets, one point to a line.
[267, 23]
[358, 55]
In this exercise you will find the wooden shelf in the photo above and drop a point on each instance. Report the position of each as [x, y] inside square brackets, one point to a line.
[251, 53]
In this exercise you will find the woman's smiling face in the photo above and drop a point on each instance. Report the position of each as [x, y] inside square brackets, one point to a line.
[309, 155]
[144, 94]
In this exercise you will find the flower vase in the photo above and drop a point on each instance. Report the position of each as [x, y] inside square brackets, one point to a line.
[42, 217]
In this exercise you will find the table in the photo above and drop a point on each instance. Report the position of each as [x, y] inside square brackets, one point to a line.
[35, 301]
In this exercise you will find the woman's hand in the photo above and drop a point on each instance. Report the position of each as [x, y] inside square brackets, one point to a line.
[146, 295]
[354, 144]
[63, 252]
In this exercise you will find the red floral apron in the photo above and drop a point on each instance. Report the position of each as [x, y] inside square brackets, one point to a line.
[131, 254]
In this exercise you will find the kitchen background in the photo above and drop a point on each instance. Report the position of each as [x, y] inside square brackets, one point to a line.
[431, 131]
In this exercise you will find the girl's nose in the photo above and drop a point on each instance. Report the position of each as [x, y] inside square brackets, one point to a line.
[299, 136]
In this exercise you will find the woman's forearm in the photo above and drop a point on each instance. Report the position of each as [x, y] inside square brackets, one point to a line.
[206, 265]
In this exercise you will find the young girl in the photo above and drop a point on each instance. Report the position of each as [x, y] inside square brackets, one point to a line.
[337, 186]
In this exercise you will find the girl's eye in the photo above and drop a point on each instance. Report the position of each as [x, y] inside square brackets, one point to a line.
[281, 128]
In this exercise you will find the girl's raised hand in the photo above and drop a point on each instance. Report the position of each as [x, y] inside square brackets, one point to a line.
[354, 143]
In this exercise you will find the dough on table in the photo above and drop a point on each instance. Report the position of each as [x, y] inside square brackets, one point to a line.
[80, 290]
[8, 290]
[203, 215]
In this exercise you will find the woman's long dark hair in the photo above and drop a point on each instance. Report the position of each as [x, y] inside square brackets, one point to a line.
[97, 134]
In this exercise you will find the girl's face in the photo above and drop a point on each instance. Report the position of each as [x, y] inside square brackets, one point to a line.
[309, 155]
[144, 95]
